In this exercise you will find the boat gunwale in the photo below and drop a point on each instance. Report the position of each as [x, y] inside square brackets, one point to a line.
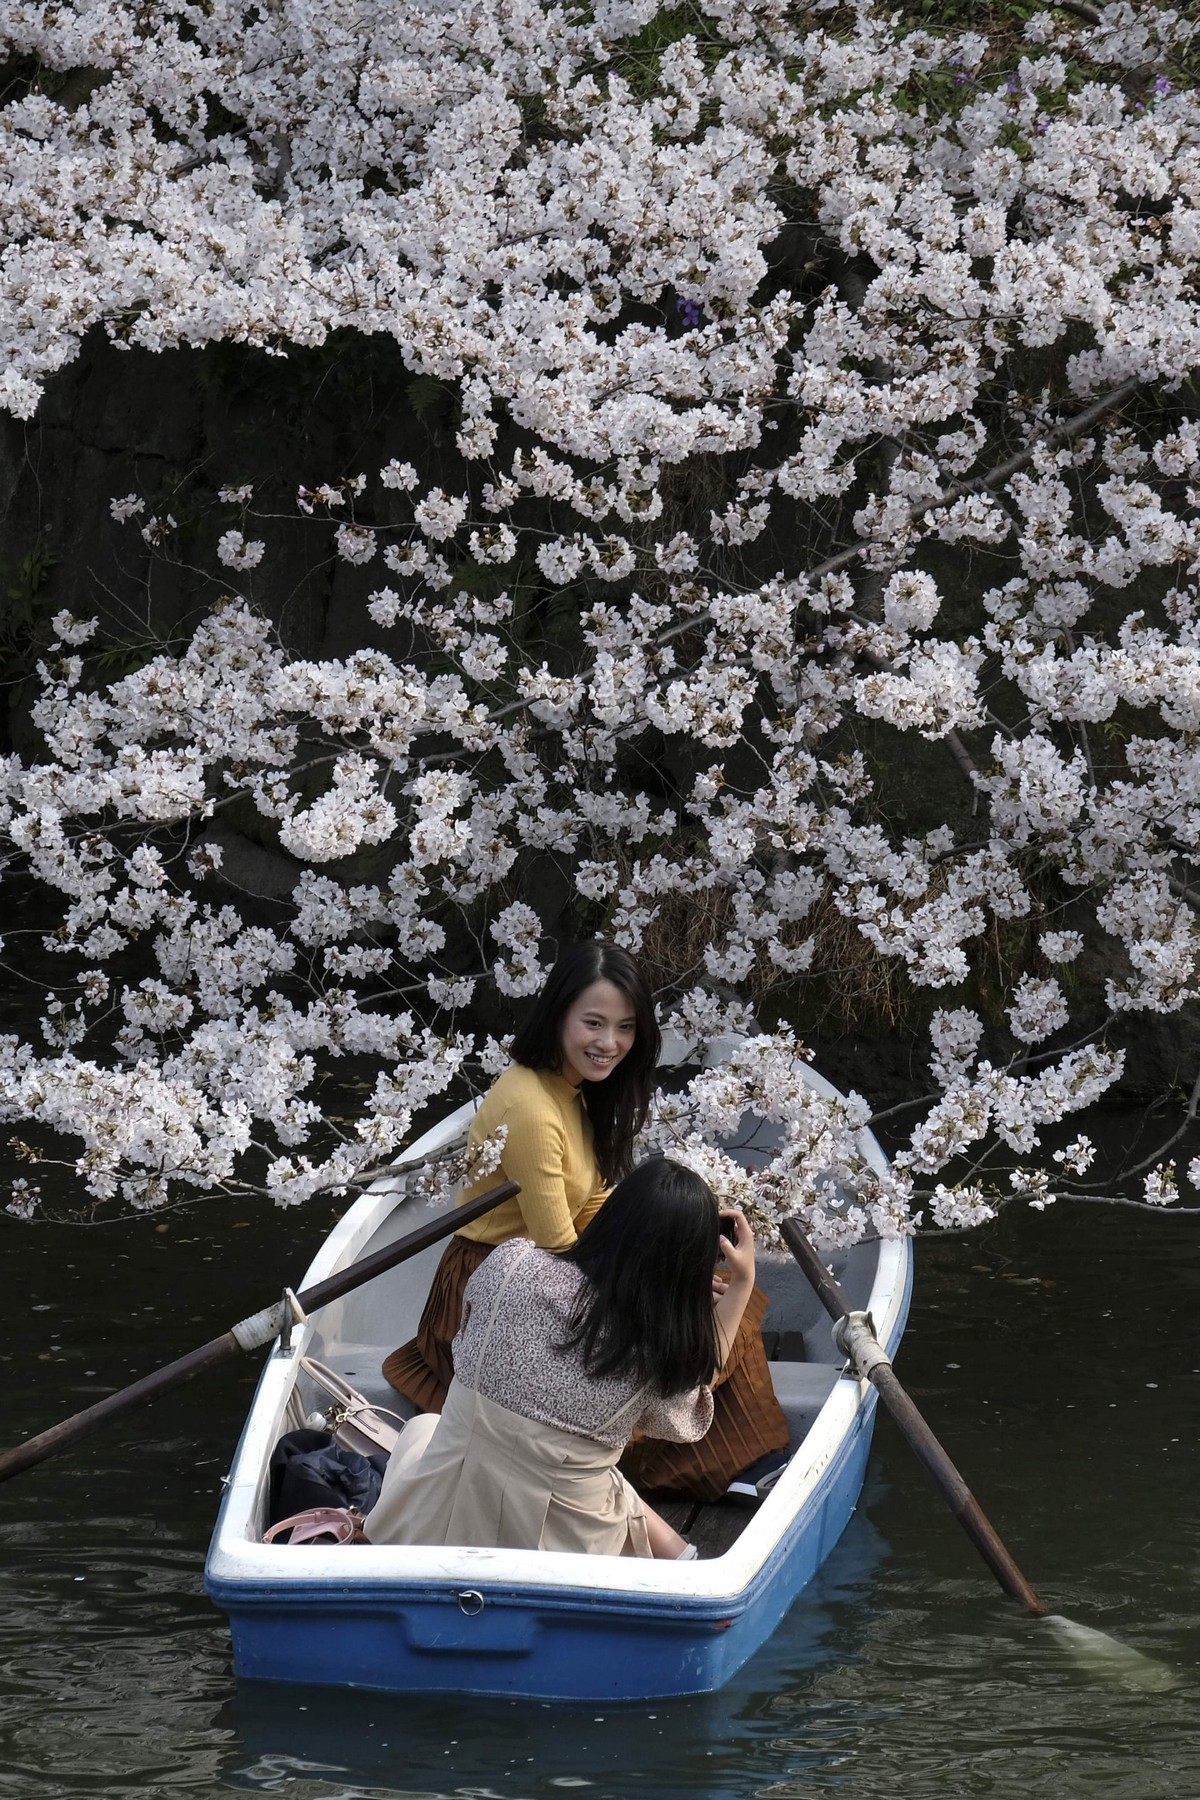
[300, 1592]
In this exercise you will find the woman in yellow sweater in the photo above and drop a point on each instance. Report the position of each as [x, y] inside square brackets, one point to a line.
[572, 1104]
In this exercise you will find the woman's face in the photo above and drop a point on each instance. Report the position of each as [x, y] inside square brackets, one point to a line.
[598, 1029]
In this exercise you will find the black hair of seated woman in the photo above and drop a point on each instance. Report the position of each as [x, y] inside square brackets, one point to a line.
[617, 1106]
[646, 1306]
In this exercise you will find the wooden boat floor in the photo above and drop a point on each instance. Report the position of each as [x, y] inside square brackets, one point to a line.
[713, 1528]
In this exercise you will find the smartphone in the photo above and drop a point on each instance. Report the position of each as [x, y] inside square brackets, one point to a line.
[729, 1227]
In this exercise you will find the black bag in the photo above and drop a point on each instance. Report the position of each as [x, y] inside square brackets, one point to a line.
[309, 1469]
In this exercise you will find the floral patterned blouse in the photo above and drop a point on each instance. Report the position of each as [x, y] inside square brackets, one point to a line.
[520, 1368]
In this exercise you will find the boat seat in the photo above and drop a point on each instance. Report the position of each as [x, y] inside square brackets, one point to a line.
[359, 1364]
[802, 1389]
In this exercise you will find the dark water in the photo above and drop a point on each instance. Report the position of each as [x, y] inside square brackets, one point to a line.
[1055, 1355]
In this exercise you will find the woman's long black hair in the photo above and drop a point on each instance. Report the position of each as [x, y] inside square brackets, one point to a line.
[617, 1106]
[646, 1306]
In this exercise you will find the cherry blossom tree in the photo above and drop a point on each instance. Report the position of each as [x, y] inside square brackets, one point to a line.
[824, 399]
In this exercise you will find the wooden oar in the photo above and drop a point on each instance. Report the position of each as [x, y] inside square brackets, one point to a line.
[856, 1337]
[249, 1334]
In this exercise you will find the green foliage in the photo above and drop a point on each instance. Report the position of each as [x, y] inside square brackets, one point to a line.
[639, 59]
[428, 397]
[992, 17]
[33, 573]
[28, 606]
[125, 656]
[30, 601]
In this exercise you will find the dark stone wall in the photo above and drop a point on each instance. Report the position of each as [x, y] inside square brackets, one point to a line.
[176, 426]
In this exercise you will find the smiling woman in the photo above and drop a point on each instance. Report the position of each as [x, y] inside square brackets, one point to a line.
[597, 1031]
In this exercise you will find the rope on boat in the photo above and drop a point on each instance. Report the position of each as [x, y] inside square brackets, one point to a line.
[272, 1322]
[855, 1337]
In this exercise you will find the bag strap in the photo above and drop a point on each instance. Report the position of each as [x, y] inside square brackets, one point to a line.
[337, 1524]
[347, 1401]
[633, 1400]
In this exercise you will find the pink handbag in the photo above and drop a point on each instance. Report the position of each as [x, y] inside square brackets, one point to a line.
[321, 1525]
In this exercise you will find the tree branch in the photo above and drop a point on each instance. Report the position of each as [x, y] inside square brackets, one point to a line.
[963, 758]
[1181, 891]
[1088, 14]
[1061, 433]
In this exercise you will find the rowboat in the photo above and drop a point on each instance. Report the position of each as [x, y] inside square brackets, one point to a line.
[545, 1625]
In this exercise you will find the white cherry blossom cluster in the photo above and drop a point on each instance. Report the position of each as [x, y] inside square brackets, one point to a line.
[831, 413]
[767, 1139]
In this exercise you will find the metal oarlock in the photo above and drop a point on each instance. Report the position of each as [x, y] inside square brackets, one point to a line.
[855, 1337]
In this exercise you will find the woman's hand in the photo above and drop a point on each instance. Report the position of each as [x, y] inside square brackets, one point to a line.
[737, 1248]
[738, 1269]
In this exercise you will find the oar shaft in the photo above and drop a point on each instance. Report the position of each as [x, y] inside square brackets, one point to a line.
[412, 1244]
[922, 1441]
[222, 1349]
[957, 1494]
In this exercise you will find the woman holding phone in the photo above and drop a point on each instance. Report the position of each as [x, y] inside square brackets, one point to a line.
[571, 1104]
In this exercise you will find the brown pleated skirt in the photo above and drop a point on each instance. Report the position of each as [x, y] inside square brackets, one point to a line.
[747, 1420]
[423, 1369]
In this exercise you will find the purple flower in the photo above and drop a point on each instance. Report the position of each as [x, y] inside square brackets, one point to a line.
[1161, 85]
[690, 313]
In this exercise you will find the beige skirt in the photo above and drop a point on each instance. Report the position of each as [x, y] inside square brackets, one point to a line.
[483, 1475]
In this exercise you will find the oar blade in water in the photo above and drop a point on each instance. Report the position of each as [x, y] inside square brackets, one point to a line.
[1097, 1653]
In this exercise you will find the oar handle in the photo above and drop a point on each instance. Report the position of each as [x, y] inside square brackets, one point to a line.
[222, 1349]
[921, 1439]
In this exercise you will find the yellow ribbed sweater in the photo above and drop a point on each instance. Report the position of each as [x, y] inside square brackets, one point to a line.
[548, 1150]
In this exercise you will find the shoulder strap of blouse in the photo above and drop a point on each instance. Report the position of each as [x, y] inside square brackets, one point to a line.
[633, 1400]
[516, 1263]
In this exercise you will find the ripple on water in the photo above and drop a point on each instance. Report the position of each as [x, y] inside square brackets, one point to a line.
[112, 1665]
[901, 1674]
